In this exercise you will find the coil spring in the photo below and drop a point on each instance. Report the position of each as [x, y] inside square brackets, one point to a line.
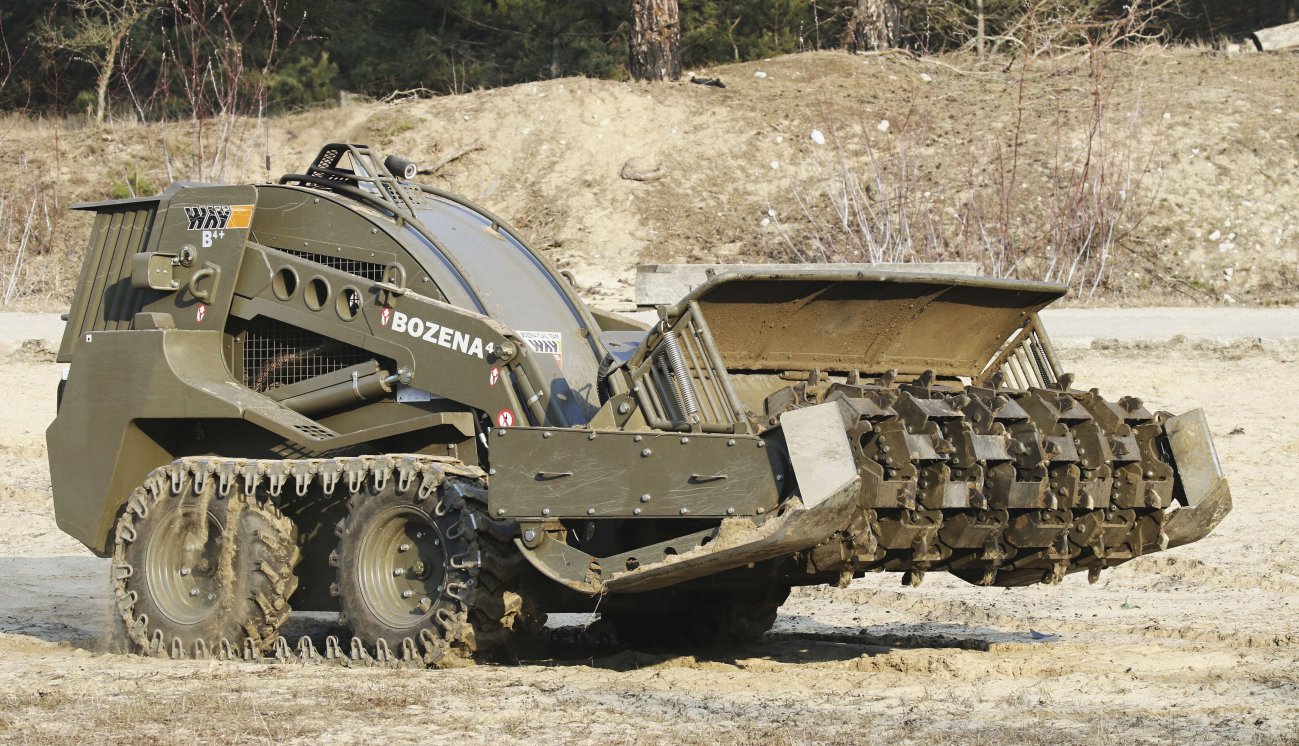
[677, 361]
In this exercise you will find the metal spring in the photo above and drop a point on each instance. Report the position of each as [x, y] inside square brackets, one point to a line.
[681, 373]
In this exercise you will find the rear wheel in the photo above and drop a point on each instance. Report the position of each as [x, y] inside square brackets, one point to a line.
[191, 568]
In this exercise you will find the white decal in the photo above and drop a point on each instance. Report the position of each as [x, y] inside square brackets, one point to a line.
[439, 335]
[200, 313]
[546, 343]
[385, 316]
[494, 376]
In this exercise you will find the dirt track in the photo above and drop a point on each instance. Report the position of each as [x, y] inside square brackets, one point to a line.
[1198, 644]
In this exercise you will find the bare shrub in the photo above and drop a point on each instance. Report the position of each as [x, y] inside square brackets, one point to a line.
[1058, 212]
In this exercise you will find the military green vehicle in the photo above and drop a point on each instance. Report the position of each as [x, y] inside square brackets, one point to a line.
[348, 391]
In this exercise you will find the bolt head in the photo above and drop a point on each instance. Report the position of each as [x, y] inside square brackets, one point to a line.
[403, 548]
[407, 594]
[529, 535]
[636, 511]
[184, 571]
[590, 511]
[685, 510]
[645, 498]
[397, 571]
[545, 511]
[193, 591]
[624, 408]
[500, 511]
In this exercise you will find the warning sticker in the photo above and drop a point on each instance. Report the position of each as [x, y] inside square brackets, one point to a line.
[545, 343]
[505, 418]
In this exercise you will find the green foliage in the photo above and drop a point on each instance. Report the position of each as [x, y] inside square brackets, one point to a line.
[304, 82]
[735, 30]
[317, 47]
[134, 185]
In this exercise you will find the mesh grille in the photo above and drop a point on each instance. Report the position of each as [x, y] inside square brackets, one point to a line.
[276, 354]
[368, 270]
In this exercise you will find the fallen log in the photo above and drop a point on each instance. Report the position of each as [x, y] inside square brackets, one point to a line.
[1277, 37]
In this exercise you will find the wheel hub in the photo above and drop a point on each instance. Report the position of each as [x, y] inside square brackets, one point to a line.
[180, 567]
[402, 566]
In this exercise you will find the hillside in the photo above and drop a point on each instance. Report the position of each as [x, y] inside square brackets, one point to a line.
[1147, 176]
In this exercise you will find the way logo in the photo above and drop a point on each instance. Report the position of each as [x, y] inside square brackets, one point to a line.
[385, 316]
[213, 220]
[545, 343]
[218, 217]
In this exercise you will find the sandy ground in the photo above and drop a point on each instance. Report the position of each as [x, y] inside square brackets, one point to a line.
[1200, 644]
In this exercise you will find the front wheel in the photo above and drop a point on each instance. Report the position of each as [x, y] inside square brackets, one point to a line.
[420, 561]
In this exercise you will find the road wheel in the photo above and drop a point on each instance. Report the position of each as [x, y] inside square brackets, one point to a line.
[191, 568]
[421, 563]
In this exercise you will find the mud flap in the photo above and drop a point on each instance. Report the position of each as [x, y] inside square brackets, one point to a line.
[1199, 473]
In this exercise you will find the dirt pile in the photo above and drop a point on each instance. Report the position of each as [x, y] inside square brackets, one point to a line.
[1191, 154]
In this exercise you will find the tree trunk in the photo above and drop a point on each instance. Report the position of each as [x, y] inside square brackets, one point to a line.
[981, 29]
[876, 24]
[655, 40]
[109, 63]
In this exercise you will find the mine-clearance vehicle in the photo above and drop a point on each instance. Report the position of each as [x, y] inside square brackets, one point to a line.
[348, 391]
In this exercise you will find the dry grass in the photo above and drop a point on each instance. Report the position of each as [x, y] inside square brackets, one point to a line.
[1157, 176]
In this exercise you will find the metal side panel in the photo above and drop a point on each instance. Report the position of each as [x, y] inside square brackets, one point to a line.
[560, 473]
[97, 455]
[819, 450]
[1208, 497]
[105, 299]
